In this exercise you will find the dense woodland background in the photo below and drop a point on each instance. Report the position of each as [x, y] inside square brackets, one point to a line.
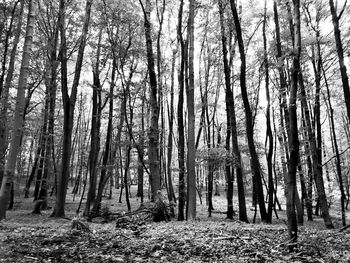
[181, 99]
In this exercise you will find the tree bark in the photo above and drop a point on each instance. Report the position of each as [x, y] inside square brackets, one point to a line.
[18, 120]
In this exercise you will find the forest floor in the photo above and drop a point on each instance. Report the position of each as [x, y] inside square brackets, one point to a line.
[25, 237]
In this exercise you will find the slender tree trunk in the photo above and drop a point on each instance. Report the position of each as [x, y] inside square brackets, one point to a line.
[269, 136]
[95, 132]
[191, 150]
[140, 172]
[231, 130]
[282, 77]
[105, 175]
[312, 149]
[18, 121]
[180, 112]
[68, 103]
[171, 195]
[162, 160]
[293, 134]
[39, 173]
[4, 94]
[336, 150]
[153, 151]
[340, 52]
[52, 91]
[6, 42]
[249, 119]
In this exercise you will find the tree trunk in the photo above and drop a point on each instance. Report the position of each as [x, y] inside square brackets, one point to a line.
[10, 167]
[180, 120]
[249, 119]
[171, 195]
[312, 149]
[340, 52]
[191, 150]
[336, 150]
[68, 103]
[269, 136]
[105, 174]
[231, 131]
[293, 134]
[4, 97]
[140, 172]
[153, 151]
[95, 131]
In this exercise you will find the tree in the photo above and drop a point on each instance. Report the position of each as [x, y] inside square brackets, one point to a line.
[4, 94]
[95, 128]
[231, 131]
[180, 120]
[153, 151]
[18, 121]
[191, 150]
[293, 139]
[340, 51]
[68, 101]
[269, 135]
[249, 118]
[171, 194]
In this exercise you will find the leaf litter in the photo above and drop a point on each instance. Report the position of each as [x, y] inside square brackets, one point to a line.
[200, 241]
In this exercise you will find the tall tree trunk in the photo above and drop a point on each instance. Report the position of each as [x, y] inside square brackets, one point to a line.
[171, 195]
[6, 42]
[191, 150]
[4, 97]
[269, 136]
[95, 131]
[52, 91]
[340, 52]
[249, 119]
[68, 103]
[180, 120]
[105, 174]
[293, 133]
[153, 151]
[42, 146]
[231, 130]
[312, 149]
[282, 77]
[140, 171]
[18, 121]
[162, 160]
[336, 150]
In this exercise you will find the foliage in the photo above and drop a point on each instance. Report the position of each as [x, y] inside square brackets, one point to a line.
[217, 156]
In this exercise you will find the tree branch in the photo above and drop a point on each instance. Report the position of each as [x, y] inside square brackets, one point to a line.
[335, 156]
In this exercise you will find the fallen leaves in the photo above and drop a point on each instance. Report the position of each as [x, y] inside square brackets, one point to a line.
[169, 242]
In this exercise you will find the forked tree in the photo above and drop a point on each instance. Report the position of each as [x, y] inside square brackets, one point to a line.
[69, 101]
